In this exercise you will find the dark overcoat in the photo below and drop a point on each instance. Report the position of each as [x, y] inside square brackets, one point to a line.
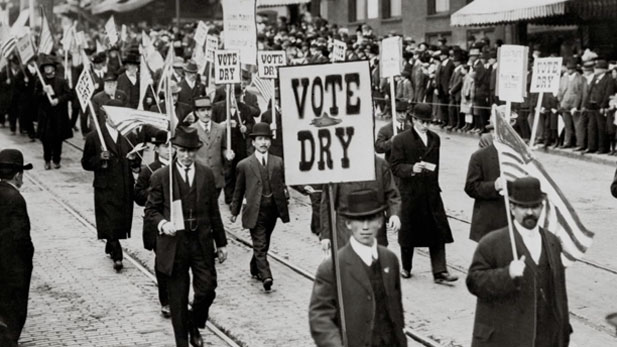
[489, 208]
[505, 309]
[140, 194]
[245, 114]
[423, 217]
[358, 297]
[53, 121]
[209, 223]
[113, 185]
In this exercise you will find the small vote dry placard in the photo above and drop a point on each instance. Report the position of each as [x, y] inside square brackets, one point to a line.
[268, 62]
[226, 67]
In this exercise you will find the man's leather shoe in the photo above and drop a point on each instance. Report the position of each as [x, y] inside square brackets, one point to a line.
[590, 151]
[267, 284]
[47, 165]
[405, 274]
[196, 339]
[580, 149]
[444, 277]
[165, 311]
[118, 265]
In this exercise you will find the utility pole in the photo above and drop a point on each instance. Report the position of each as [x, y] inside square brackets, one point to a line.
[178, 14]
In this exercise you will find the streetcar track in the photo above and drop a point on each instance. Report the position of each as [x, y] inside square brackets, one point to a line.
[410, 332]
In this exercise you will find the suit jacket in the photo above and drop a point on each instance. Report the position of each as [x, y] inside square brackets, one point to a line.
[245, 114]
[131, 90]
[211, 153]
[383, 143]
[489, 208]
[505, 309]
[358, 297]
[250, 185]
[456, 85]
[599, 92]
[53, 121]
[571, 91]
[443, 79]
[210, 225]
[98, 81]
[481, 84]
[187, 94]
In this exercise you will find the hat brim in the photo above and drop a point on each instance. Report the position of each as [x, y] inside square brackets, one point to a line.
[363, 213]
[198, 145]
[529, 203]
[16, 166]
[420, 117]
[254, 135]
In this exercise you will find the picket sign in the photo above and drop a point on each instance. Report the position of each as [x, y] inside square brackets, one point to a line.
[200, 33]
[226, 67]
[112, 32]
[545, 78]
[267, 65]
[240, 28]
[391, 60]
[339, 49]
[84, 89]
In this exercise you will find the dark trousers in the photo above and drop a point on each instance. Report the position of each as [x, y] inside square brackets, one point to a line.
[14, 292]
[453, 114]
[189, 255]
[260, 235]
[597, 139]
[580, 127]
[568, 121]
[230, 180]
[315, 216]
[114, 249]
[161, 281]
[84, 123]
[438, 258]
[444, 112]
[52, 150]
[13, 117]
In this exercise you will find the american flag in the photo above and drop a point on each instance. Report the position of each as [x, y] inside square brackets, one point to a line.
[46, 43]
[264, 87]
[558, 217]
[126, 119]
[8, 40]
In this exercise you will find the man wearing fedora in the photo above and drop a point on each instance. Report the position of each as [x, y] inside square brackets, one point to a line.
[261, 180]
[369, 273]
[415, 161]
[570, 99]
[521, 301]
[142, 188]
[54, 125]
[190, 86]
[113, 183]
[128, 81]
[188, 244]
[16, 249]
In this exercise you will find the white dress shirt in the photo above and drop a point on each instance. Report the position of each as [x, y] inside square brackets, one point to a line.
[366, 253]
[132, 78]
[532, 240]
[261, 156]
[423, 136]
[191, 83]
[113, 133]
[191, 172]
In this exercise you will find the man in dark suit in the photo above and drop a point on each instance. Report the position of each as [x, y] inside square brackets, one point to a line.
[443, 83]
[128, 81]
[383, 143]
[16, 249]
[142, 188]
[415, 161]
[110, 92]
[522, 301]
[187, 244]
[455, 87]
[368, 271]
[190, 86]
[113, 184]
[485, 186]
[261, 179]
[482, 81]
[600, 89]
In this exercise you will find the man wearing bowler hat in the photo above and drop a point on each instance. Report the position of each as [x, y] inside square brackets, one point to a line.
[261, 179]
[370, 283]
[128, 81]
[16, 248]
[415, 161]
[521, 301]
[189, 243]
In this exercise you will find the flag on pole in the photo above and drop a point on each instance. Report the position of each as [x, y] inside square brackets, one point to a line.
[99, 47]
[264, 88]
[169, 107]
[126, 119]
[145, 80]
[167, 68]
[46, 42]
[559, 216]
[153, 57]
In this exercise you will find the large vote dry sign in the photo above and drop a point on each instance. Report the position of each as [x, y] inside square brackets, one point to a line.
[328, 123]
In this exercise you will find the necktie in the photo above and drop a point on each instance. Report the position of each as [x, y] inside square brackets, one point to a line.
[207, 127]
[263, 161]
[186, 176]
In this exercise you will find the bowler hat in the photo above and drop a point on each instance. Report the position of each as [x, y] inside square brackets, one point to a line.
[99, 58]
[178, 63]
[422, 111]
[571, 64]
[110, 76]
[45, 60]
[261, 129]
[362, 203]
[202, 102]
[190, 66]
[601, 64]
[525, 191]
[186, 138]
[159, 138]
[131, 59]
[13, 159]
[401, 106]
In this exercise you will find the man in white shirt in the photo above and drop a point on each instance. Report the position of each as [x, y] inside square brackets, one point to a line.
[527, 292]
[369, 273]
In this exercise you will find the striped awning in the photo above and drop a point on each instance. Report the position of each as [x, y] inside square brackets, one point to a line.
[488, 12]
[272, 3]
[118, 5]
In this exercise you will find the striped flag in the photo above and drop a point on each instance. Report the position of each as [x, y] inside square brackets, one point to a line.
[7, 40]
[46, 43]
[8, 46]
[558, 216]
[126, 119]
[264, 88]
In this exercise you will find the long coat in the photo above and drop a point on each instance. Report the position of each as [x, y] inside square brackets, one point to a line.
[188, 94]
[140, 194]
[505, 309]
[489, 208]
[113, 185]
[131, 90]
[358, 297]
[245, 114]
[211, 153]
[423, 217]
[53, 121]
[210, 228]
[249, 185]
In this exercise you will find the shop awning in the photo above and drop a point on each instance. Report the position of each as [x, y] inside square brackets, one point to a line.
[118, 5]
[272, 3]
[488, 12]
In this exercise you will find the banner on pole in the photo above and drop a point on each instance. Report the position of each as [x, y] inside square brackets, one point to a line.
[328, 123]
[25, 48]
[200, 33]
[112, 32]
[240, 29]
[546, 75]
[212, 44]
[339, 49]
[391, 56]
[512, 73]
[226, 67]
[84, 89]
[268, 62]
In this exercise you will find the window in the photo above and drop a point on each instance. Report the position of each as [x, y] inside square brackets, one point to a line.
[438, 6]
[360, 9]
[372, 8]
[391, 8]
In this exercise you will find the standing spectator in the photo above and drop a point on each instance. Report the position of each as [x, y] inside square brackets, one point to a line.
[113, 185]
[482, 81]
[16, 249]
[467, 97]
[600, 89]
[404, 88]
[419, 76]
[261, 180]
[415, 160]
[455, 87]
[128, 81]
[367, 270]
[193, 246]
[570, 97]
[444, 74]
[54, 125]
[581, 127]
[522, 301]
